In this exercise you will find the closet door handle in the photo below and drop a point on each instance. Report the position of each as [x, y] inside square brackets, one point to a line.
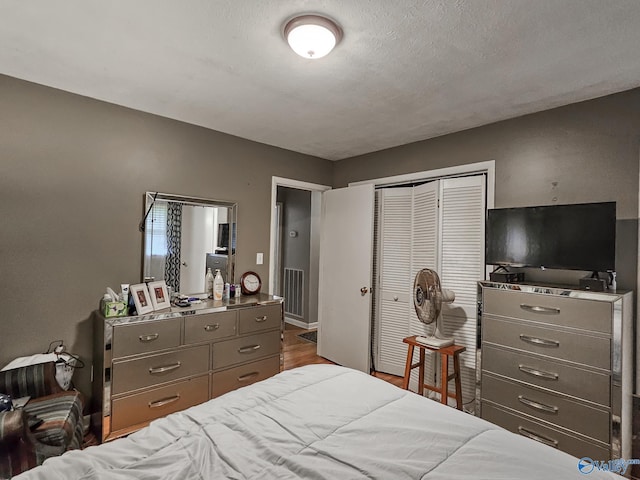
[165, 368]
[537, 437]
[211, 328]
[539, 341]
[540, 309]
[249, 349]
[248, 376]
[148, 338]
[164, 401]
[538, 373]
[537, 405]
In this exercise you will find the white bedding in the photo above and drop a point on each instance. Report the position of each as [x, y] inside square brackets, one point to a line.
[318, 422]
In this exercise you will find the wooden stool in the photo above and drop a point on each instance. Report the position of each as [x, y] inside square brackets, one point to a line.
[445, 352]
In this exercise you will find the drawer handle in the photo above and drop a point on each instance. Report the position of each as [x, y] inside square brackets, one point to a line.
[165, 368]
[537, 437]
[537, 405]
[211, 328]
[540, 309]
[538, 373]
[148, 338]
[539, 341]
[249, 349]
[248, 376]
[164, 401]
[261, 319]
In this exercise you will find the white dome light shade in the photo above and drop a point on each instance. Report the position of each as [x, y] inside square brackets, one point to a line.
[312, 36]
[311, 41]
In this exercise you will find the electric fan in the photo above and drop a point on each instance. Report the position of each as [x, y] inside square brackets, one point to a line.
[428, 296]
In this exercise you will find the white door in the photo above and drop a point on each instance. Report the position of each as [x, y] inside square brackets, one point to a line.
[344, 300]
[408, 242]
[461, 266]
[393, 288]
[437, 225]
[197, 239]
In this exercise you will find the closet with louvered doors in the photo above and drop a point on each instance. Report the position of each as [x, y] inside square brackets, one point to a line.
[437, 225]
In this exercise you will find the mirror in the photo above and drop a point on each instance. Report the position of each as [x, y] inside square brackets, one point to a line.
[183, 236]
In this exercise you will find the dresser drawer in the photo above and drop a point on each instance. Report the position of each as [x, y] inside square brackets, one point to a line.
[165, 367]
[549, 436]
[158, 402]
[203, 328]
[245, 349]
[570, 312]
[574, 347]
[260, 318]
[227, 380]
[145, 337]
[546, 373]
[549, 407]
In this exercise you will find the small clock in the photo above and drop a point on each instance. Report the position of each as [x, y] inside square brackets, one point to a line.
[250, 283]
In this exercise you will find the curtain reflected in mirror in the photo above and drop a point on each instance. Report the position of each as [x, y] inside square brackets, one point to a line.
[184, 236]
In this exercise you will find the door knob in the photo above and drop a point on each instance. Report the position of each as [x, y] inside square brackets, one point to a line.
[363, 291]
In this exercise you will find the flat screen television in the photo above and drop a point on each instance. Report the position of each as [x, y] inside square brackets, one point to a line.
[223, 236]
[570, 237]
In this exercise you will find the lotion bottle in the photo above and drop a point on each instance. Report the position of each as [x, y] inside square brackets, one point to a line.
[208, 283]
[218, 286]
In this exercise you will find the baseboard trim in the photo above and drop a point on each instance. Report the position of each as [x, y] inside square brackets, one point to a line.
[301, 324]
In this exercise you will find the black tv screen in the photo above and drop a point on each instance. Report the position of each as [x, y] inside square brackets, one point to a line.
[223, 236]
[572, 237]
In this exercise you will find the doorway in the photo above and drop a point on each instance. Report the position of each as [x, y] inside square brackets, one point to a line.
[294, 248]
[293, 255]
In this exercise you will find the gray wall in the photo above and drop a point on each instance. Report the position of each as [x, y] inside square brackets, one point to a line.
[591, 149]
[73, 172]
[296, 250]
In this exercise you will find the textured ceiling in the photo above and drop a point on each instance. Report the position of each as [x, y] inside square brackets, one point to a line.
[405, 70]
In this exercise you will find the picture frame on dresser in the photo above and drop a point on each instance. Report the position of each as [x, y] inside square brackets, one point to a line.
[141, 298]
[159, 295]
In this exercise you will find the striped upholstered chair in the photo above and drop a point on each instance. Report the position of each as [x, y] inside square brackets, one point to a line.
[48, 425]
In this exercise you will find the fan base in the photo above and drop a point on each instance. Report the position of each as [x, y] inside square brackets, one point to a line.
[435, 342]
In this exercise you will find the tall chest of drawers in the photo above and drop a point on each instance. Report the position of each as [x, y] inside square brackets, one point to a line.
[148, 366]
[556, 365]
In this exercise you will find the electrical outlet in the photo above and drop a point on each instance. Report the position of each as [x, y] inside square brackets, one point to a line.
[259, 258]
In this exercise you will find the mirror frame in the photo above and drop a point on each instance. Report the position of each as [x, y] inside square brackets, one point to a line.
[152, 197]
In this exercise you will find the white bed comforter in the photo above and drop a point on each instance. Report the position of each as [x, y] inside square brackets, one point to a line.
[317, 422]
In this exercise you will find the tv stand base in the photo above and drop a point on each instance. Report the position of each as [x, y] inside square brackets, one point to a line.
[593, 282]
[501, 274]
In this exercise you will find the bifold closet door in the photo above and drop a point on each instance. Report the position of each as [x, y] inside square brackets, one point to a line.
[424, 254]
[437, 225]
[393, 269]
[462, 212]
[407, 232]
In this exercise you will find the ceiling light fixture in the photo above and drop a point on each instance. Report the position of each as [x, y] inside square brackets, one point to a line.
[312, 36]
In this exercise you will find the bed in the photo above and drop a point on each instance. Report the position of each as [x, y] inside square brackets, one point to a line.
[318, 422]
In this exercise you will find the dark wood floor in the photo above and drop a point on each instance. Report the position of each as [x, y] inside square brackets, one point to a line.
[299, 352]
